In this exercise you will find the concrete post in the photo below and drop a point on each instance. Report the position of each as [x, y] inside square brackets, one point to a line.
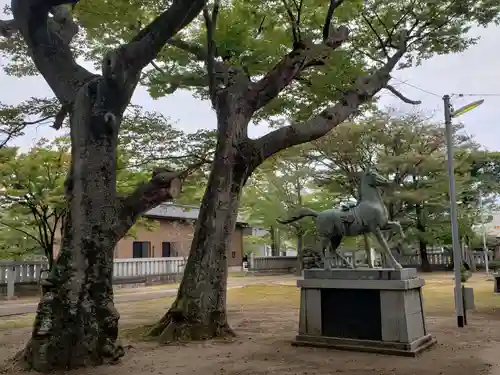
[11, 280]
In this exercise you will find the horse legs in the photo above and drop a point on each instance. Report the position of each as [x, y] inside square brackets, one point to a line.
[335, 243]
[383, 243]
[394, 226]
[325, 253]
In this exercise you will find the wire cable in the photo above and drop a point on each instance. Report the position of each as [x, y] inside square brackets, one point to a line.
[418, 88]
[460, 95]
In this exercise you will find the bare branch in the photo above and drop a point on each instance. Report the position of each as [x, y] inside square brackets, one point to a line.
[334, 4]
[163, 186]
[401, 96]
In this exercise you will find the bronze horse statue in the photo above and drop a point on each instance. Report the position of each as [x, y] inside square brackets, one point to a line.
[369, 215]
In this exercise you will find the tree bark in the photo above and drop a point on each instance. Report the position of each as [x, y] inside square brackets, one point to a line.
[76, 322]
[470, 254]
[425, 266]
[274, 242]
[497, 253]
[199, 311]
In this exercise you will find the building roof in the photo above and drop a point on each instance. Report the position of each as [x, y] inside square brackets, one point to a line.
[177, 211]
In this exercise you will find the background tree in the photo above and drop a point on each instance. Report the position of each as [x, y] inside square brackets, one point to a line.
[33, 202]
[410, 150]
[278, 187]
[14, 119]
[76, 323]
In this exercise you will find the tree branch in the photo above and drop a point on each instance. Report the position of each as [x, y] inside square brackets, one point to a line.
[164, 185]
[361, 92]
[334, 4]
[293, 23]
[196, 50]
[210, 24]
[283, 73]
[60, 116]
[146, 45]
[48, 43]
[377, 35]
[23, 232]
[221, 70]
[401, 96]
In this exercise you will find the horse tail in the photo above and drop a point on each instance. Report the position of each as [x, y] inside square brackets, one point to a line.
[303, 212]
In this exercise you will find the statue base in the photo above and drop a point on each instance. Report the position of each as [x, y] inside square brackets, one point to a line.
[363, 309]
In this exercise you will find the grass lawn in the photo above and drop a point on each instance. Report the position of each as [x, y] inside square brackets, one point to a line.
[438, 300]
[265, 318]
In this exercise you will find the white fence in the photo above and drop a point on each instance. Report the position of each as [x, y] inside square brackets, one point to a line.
[284, 264]
[12, 272]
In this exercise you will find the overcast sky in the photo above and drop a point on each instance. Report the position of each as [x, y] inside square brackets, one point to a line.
[476, 71]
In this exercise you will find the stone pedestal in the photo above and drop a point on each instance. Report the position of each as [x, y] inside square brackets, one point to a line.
[371, 310]
[496, 283]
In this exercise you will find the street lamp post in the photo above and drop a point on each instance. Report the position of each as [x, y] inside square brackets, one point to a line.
[483, 229]
[449, 113]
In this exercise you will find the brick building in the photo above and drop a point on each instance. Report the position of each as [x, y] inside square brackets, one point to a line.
[172, 236]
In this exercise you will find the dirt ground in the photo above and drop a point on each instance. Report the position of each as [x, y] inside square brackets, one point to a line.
[265, 318]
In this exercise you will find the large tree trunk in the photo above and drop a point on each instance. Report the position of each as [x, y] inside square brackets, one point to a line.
[76, 322]
[274, 242]
[425, 266]
[199, 311]
[497, 253]
[300, 252]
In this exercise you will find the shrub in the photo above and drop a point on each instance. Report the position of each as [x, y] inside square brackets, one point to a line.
[464, 274]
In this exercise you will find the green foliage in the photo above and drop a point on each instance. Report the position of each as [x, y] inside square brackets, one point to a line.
[32, 184]
[149, 140]
[278, 188]
[14, 119]
[247, 36]
[464, 274]
[252, 243]
[32, 198]
[410, 151]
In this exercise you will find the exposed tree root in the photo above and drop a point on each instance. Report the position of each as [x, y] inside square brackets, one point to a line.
[37, 356]
[173, 327]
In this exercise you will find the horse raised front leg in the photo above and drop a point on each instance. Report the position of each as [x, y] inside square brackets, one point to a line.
[383, 243]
